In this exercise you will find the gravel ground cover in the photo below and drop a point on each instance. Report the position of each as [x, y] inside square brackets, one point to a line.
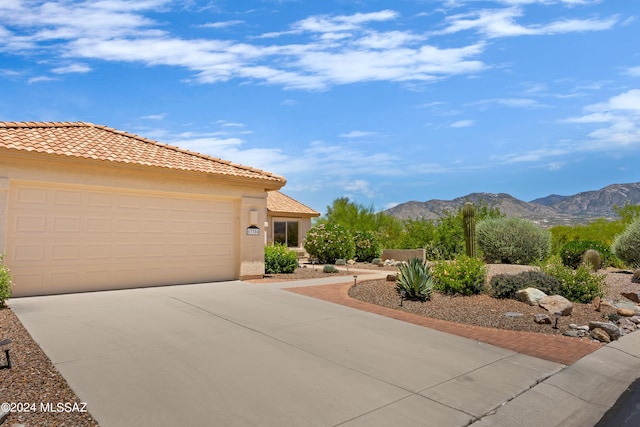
[483, 310]
[36, 392]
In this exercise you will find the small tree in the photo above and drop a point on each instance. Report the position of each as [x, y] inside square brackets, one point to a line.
[367, 246]
[329, 242]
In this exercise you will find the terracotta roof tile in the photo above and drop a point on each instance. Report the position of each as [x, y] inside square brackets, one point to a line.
[278, 202]
[86, 140]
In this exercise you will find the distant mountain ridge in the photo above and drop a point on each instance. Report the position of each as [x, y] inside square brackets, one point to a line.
[550, 210]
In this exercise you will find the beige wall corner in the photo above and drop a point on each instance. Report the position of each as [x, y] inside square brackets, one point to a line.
[4, 210]
[253, 214]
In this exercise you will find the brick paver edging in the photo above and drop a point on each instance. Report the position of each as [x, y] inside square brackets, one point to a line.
[556, 348]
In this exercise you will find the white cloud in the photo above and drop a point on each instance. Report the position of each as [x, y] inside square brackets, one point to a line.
[154, 116]
[463, 124]
[357, 134]
[331, 24]
[359, 186]
[633, 71]
[40, 79]
[495, 23]
[329, 49]
[72, 68]
[223, 24]
[619, 128]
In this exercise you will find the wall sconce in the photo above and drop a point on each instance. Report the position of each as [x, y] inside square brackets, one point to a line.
[253, 217]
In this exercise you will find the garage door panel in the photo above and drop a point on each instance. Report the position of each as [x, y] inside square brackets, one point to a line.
[79, 238]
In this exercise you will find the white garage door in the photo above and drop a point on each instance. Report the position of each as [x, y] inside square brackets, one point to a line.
[69, 239]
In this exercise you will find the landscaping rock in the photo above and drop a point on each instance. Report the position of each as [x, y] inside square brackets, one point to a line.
[573, 333]
[512, 314]
[596, 304]
[625, 312]
[531, 296]
[635, 319]
[612, 330]
[631, 291]
[391, 277]
[557, 304]
[600, 335]
[542, 319]
[626, 325]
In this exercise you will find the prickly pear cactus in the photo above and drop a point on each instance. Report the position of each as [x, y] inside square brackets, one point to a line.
[469, 225]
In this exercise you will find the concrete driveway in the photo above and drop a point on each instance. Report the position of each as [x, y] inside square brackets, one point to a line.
[241, 354]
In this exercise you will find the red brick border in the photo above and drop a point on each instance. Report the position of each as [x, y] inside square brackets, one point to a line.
[556, 348]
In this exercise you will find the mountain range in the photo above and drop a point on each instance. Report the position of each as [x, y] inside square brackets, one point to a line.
[546, 211]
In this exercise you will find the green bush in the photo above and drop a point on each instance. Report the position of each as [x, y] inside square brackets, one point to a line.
[626, 246]
[415, 280]
[5, 282]
[572, 252]
[506, 285]
[279, 259]
[330, 268]
[512, 240]
[463, 276]
[328, 242]
[367, 246]
[579, 285]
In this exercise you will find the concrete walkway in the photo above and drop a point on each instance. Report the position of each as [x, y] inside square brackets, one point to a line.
[242, 354]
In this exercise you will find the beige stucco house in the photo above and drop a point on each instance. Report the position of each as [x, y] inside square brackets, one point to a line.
[86, 207]
[287, 220]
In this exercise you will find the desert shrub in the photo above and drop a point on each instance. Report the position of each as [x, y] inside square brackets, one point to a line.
[376, 261]
[506, 285]
[329, 268]
[573, 252]
[512, 240]
[579, 285]
[279, 259]
[626, 245]
[340, 261]
[367, 246]
[635, 278]
[329, 242]
[5, 282]
[463, 276]
[415, 280]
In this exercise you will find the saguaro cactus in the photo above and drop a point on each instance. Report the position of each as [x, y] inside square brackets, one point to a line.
[469, 225]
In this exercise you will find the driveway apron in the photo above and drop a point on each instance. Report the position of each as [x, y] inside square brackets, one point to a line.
[242, 354]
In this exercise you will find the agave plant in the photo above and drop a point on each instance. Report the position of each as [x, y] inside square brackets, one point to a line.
[414, 280]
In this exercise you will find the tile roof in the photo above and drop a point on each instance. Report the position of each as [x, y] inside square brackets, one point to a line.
[86, 140]
[278, 202]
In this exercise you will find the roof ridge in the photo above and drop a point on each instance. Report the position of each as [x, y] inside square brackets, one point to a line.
[139, 138]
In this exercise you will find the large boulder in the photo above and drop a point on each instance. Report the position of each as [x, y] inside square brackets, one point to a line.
[631, 291]
[531, 296]
[557, 304]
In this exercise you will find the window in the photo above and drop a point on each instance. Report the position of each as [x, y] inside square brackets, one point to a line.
[286, 232]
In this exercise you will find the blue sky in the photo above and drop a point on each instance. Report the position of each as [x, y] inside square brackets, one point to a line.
[380, 101]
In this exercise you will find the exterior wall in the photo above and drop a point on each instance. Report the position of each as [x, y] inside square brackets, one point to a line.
[38, 167]
[4, 210]
[252, 214]
[403, 254]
